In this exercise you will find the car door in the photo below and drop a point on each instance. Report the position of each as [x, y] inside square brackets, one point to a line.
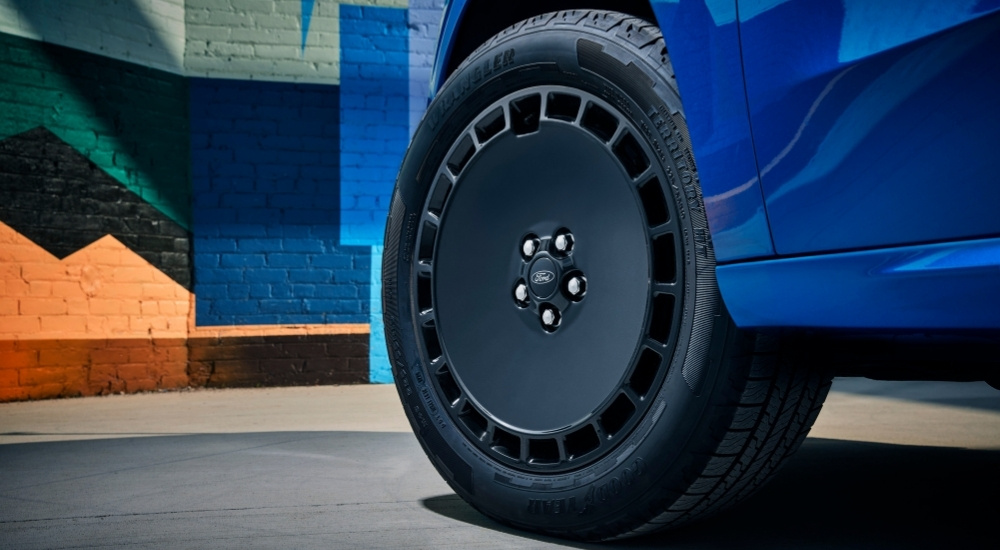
[875, 124]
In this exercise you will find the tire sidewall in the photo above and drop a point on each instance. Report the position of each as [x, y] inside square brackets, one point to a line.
[655, 462]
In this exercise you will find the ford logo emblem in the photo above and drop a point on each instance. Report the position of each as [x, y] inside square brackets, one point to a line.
[542, 277]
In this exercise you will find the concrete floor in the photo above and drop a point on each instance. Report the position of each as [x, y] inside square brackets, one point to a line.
[888, 465]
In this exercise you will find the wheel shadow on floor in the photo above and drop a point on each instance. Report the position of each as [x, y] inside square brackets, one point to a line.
[836, 494]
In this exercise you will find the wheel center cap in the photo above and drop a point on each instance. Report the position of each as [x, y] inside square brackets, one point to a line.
[543, 278]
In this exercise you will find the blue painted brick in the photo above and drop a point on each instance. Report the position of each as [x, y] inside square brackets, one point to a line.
[204, 259]
[233, 170]
[303, 245]
[301, 319]
[336, 291]
[282, 306]
[296, 260]
[293, 143]
[258, 245]
[362, 56]
[243, 200]
[225, 276]
[252, 156]
[205, 246]
[246, 230]
[334, 306]
[298, 158]
[266, 276]
[287, 200]
[260, 290]
[213, 291]
[353, 276]
[308, 127]
[242, 260]
[262, 216]
[348, 11]
[303, 290]
[310, 216]
[282, 290]
[226, 308]
[333, 261]
[238, 291]
[389, 15]
[310, 275]
[277, 170]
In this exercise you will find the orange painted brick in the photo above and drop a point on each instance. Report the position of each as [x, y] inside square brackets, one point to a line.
[20, 325]
[165, 369]
[17, 287]
[11, 360]
[179, 353]
[167, 307]
[117, 324]
[64, 357]
[132, 275]
[64, 323]
[13, 394]
[3, 287]
[105, 306]
[8, 345]
[150, 307]
[36, 272]
[51, 375]
[154, 291]
[104, 256]
[112, 356]
[141, 355]
[40, 288]
[126, 291]
[143, 342]
[42, 306]
[66, 289]
[174, 382]
[8, 306]
[44, 391]
[77, 306]
[35, 345]
[131, 371]
[140, 384]
[10, 270]
[103, 373]
[130, 306]
[9, 379]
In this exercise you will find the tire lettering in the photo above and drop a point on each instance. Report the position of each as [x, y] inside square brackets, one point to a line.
[611, 489]
[552, 507]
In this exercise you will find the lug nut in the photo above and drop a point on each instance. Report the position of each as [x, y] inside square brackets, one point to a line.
[521, 294]
[564, 242]
[529, 247]
[576, 286]
[550, 318]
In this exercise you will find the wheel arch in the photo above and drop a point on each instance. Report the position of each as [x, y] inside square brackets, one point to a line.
[469, 23]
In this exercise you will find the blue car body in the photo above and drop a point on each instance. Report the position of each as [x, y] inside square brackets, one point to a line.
[848, 152]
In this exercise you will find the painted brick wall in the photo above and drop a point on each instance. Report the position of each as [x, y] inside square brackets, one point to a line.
[146, 32]
[375, 122]
[425, 24]
[287, 150]
[274, 40]
[126, 119]
[267, 206]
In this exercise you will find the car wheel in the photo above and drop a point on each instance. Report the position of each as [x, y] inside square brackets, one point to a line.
[551, 311]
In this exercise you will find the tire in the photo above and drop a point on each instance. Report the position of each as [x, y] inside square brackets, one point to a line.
[551, 311]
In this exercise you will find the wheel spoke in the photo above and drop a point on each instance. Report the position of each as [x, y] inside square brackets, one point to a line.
[667, 288]
[662, 229]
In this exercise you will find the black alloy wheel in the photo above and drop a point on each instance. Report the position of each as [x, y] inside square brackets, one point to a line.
[551, 312]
